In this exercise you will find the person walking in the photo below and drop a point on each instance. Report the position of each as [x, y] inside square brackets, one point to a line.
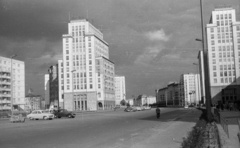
[158, 112]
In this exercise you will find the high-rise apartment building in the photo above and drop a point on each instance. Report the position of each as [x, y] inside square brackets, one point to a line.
[88, 74]
[120, 89]
[189, 86]
[223, 38]
[12, 84]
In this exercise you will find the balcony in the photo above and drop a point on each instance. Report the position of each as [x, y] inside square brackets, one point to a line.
[5, 102]
[5, 77]
[5, 95]
[4, 107]
[6, 82]
[7, 89]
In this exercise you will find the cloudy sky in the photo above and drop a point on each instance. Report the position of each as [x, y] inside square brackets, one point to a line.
[152, 42]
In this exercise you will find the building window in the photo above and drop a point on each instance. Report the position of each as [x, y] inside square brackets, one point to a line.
[214, 74]
[211, 29]
[215, 80]
[212, 42]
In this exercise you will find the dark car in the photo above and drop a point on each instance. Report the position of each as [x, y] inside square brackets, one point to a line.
[64, 113]
[130, 109]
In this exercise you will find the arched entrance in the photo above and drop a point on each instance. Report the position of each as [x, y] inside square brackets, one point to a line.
[100, 105]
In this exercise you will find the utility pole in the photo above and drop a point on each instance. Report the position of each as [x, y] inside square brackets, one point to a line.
[206, 70]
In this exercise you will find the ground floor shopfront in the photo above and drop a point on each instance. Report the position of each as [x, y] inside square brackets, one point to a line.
[225, 94]
[86, 101]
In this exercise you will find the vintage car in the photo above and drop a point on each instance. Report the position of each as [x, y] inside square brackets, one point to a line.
[64, 113]
[40, 114]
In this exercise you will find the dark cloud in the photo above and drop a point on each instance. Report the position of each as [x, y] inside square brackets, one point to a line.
[33, 30]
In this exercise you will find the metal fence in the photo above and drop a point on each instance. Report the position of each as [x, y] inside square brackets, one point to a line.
[222, 121]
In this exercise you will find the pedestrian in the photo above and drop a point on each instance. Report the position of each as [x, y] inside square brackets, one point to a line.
[158, 112]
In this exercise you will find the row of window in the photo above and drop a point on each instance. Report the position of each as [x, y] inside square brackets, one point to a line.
[225, 80]
[224, 16]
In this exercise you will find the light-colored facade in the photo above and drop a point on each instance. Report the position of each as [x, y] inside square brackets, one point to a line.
[47, 91]
[223, 39]
[202, 77]
[120, 89]
[88, 74]
[12, 83]
[189, 86]
[60, 84]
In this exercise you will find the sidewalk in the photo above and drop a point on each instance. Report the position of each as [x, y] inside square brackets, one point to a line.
[172, 133]
[232, 141]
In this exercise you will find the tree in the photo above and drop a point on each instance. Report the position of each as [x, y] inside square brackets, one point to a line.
[123, 102]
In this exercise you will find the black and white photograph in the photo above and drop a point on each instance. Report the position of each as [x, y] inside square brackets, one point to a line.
[119, 73]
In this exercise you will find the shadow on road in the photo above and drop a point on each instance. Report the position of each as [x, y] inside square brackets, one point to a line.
[188, 115]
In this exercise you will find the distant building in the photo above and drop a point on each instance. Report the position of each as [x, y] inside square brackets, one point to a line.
[130, 101]
[33, 102]
[53, 86]
[120, 89]
[189, 86]
[12, 84]
[47, 91]
[144, 100]
[202, 77]
[223, 40]
[161, 96]
[60, 84]
[173, 94]
[88, 74]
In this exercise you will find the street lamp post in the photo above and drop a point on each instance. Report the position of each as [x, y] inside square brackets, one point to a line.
[198, 82]
[206, 71]
[11, 85]
[74, 104]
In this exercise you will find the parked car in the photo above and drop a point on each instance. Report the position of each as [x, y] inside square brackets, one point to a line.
[130, 109]
[64, 113]
[138, 108]
[40, 114]
[147, 107]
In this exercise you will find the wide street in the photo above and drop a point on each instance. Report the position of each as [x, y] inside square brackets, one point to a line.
[112, 129]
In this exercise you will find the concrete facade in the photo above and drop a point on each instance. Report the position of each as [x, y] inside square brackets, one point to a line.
[12, 73]
[46, 91]
[190, 89]
[223, 38]
[87, 73]
[120, 89]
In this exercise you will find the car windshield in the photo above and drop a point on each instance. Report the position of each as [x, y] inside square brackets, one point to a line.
[45, 111]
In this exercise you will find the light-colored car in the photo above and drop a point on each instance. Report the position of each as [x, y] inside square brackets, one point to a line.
[138, 108]
[40, 114]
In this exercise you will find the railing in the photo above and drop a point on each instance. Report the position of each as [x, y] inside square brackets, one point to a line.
[224, 123]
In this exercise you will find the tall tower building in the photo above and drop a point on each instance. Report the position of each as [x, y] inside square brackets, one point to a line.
[223, 38]
[120, 89]
[88, 74]
[12, 84]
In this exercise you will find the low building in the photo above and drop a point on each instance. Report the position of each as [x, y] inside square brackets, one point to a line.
[33, 102]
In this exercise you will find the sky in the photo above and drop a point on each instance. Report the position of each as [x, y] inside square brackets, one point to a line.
[151, 42]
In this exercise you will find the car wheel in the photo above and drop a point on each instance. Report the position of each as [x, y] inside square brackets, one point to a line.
[69, 116]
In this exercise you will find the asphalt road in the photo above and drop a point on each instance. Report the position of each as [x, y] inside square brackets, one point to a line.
[113, 129]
